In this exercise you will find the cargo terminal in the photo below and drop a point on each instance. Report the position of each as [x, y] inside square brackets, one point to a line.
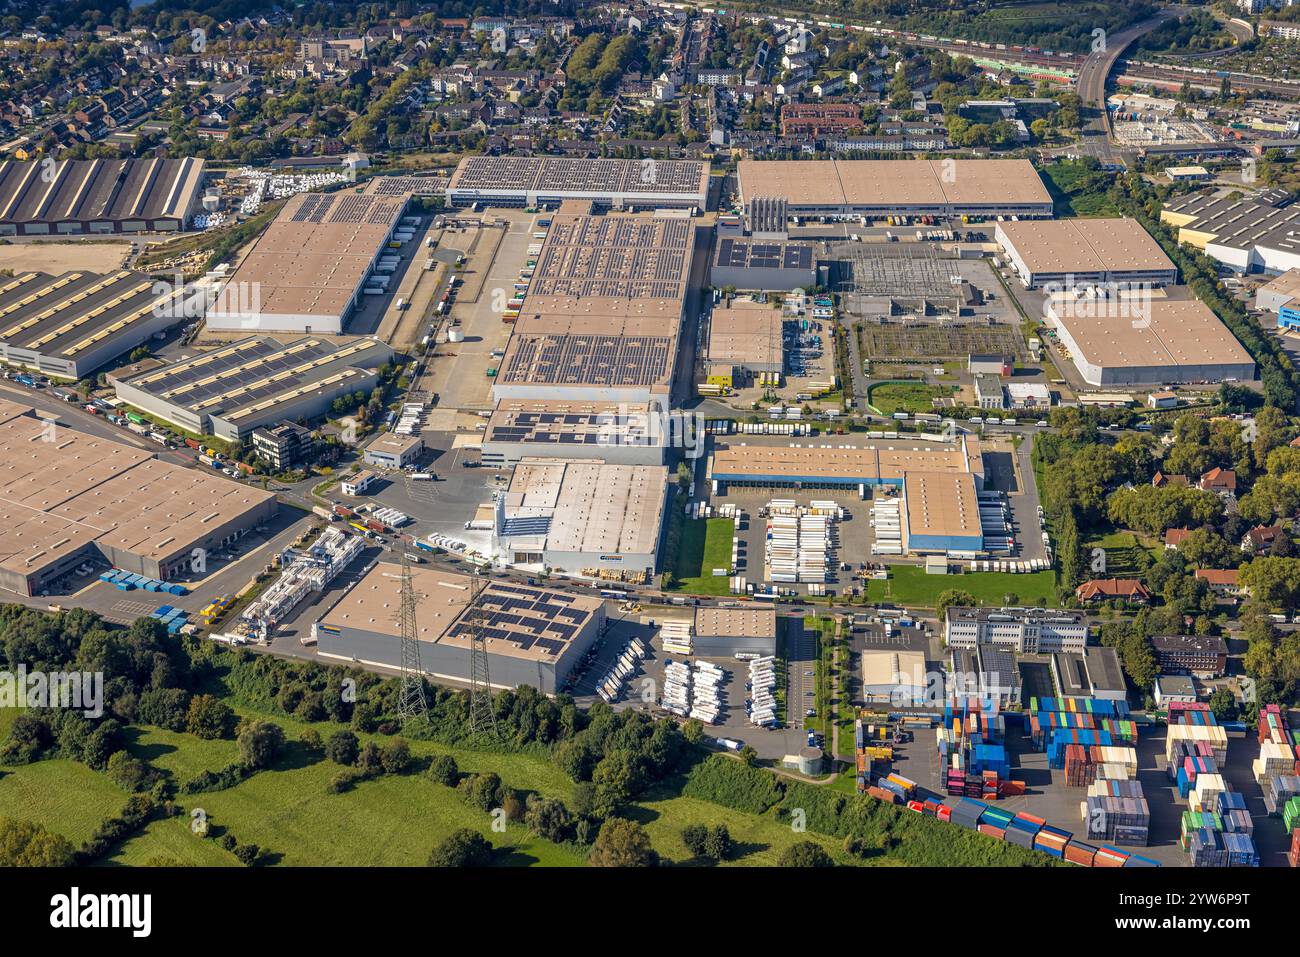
[746, 344]
[69, 496]
[938, 484]
[1079, 252]
[71, 324]
[589, 519]
[306, 271]
[548, 181]
[724, 632]
[98, 196]
[554, 428]
[232, 390]
[534, 636]
[879, 188]
[1151, 341]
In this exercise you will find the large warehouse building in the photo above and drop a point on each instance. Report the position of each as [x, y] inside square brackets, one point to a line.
[67, 497]
[1152, 342]
[71, 324]
[582, 518]
[1079, 252]
[533, 636]
[878, 188]
[746, 343]
[562, 429]
[306, 270]
[46, 198]
[230, 391]
[1248, 235]
[603, 312]
[938, 483]
[549, 180]
[724, 632]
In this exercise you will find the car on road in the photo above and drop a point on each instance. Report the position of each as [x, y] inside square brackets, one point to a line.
[807, 674]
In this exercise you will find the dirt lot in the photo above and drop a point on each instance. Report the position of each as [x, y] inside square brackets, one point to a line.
[60, 257]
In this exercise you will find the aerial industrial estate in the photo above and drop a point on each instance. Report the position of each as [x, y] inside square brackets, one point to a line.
[895, 433]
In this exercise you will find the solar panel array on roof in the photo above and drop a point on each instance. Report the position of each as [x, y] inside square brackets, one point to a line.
[558, 175]
[593, 360]
[524, 617]
[743, 254]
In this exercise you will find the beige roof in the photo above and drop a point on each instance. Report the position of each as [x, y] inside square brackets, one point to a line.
[893, 668]
[1084, 245]
[1287, 284]
[61, 488]
[593, 506]
[942, 503]
[393, 444]
[372, 605]
[544, 420]
[313, 256]
[754, 621]
[894, 182]
[747, 331]
[860, 463]
[1174, 332]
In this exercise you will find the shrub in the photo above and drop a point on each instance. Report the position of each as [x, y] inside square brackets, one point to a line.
[443, 769]
[342, 748]
[462, 848]
[725, 781]
[805, 854]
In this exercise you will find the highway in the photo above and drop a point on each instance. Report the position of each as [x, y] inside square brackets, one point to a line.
[1094, 73]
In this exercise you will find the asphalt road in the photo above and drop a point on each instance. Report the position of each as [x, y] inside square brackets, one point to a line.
[1094, 73]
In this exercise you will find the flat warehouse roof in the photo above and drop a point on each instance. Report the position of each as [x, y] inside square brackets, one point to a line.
[312, 257]
[67, 314]
[519, 622]
[611, 360]
[895, 182]
[746, 332]
[870, 463]
[942, 504]
[90, 190]
[1179, 332]
[758, 621]
[390, 443]
[1084, 245]
[1236, 223]
[548, 174]
[592, 506]
[62, 489]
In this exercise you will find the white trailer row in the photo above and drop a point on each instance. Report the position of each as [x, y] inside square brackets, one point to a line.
[774, 428]
[762, 684]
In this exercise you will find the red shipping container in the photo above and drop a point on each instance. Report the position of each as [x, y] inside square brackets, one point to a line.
[1107, 858]
[1077, 854]
[991, 831]
[889, 797]
[944, 813]
[1011, 788]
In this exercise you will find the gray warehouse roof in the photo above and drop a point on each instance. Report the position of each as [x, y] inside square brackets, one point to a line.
[97, 190]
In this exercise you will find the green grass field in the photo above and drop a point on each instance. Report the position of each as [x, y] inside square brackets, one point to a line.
[910, 585]
[1123, 552]
[891, 397]
[706, 545]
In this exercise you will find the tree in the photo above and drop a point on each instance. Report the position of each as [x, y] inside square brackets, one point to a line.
[443, 769]
[953, 597]
[209, 717]
[622, 843]
[805, 854]
[749, 756]
[718, 844]
[694, 837]
[165, 707]
[260, 744]
[26, 844]
[482, 790]
[396, 757]
[130, 773]
[462, 848]
[1223, 704]
[342, 748]
[549, 819]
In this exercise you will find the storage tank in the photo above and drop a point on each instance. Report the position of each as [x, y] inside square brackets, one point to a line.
[455, 334]
[811, 760]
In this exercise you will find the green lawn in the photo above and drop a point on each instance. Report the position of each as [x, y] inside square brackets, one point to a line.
[760, 838]
[910, 585]
[65, 796]
[705, 545]
[891, 397]
[1123, 553]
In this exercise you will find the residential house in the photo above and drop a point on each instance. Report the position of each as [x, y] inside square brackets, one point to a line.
[1174, 537]
[1219, 481]
[1112, 589]
[1222, 582]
